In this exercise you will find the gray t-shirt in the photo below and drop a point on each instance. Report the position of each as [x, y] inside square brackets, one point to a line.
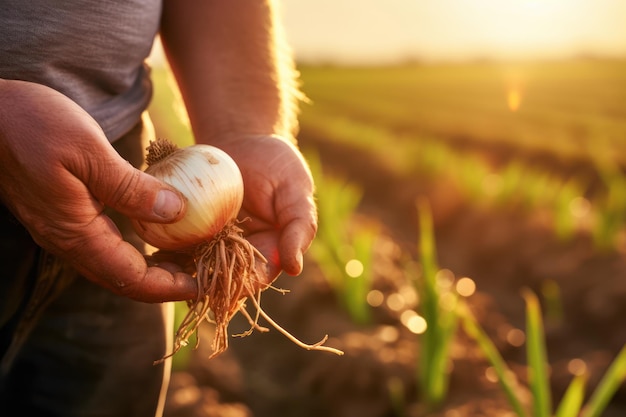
[93, 51]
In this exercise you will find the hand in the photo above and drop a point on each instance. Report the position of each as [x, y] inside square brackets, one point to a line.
[278, 199]
[58, 173]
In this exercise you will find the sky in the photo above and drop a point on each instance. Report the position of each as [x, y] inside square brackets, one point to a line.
[379, 31]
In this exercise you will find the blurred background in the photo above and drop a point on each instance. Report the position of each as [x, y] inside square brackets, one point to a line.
[467, 153]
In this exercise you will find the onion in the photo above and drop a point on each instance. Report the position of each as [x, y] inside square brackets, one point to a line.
[226, 263]
[211, 183]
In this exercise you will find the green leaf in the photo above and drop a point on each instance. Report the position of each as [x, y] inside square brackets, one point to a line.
[506, 377]
[613, 378]
[441, 321]
[573, 399]
[537, 359]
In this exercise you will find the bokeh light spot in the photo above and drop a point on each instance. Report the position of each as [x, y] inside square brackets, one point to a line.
[445, 278]
[577, 367]
[414, 322]
[375, 298]
[395, 302]
[388, 334]
[466, 286]
[515, 337]
[491, 375]
[354, 268]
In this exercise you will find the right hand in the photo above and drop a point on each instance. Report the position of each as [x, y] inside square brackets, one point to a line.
[58, 171]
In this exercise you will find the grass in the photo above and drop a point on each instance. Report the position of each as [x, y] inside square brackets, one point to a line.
[611, 220]
[515, 185]
[344, 247]
[572, 403]
[438, 307]
[506, 378]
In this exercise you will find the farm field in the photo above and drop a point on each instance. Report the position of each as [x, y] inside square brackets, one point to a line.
[562, 109]
[522, 166]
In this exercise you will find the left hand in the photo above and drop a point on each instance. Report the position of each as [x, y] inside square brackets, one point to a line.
[278, 200]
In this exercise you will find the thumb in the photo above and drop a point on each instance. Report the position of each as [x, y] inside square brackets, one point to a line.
[135, 194]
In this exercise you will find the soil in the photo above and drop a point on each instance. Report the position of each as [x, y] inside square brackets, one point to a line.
[503, 251]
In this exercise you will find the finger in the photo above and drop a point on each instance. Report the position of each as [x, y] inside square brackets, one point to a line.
[172, 261]
[267, 243]
[295, 239]
[299, 226]
[138, 195]
[106, 259]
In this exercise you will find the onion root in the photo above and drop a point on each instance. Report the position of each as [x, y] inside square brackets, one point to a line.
[226, 271]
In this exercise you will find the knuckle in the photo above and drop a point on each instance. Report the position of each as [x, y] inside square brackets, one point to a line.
[57, 240]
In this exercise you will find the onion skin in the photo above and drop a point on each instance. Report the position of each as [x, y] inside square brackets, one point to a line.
[212, 185]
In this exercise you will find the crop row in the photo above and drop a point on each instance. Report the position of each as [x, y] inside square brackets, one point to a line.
[563, 109]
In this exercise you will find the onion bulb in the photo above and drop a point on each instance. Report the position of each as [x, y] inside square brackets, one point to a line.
[211, 183]
[225, 262]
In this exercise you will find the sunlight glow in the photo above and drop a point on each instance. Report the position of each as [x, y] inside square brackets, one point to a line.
[514, 99]
[368, 31]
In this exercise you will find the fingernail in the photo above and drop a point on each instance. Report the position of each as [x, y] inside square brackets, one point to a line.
[168, 204]
[300, 258]
[299, 263]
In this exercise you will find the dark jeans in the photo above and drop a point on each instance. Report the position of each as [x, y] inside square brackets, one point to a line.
[68, 347]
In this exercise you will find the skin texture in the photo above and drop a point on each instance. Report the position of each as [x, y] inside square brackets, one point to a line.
[59, 171]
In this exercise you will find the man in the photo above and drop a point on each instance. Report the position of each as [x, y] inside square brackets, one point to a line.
[81, 318]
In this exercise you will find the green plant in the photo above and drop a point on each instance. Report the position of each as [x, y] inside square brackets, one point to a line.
[553, 303]
[343, 248]
[438, 307]
[571, 405]
[610, 218]
[564, 223]
[506, 378]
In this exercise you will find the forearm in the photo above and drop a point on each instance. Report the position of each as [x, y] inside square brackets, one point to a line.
[234, 70]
